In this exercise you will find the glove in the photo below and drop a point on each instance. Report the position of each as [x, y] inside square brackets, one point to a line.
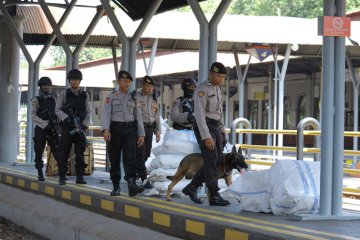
[68, 121]
[48, 128]
[190, 117]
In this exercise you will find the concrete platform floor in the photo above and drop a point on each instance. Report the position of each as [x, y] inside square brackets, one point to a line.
[179, 218]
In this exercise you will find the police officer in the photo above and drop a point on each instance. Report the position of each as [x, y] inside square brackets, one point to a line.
[46, 129]
[75, 100]
[122, 126]
[182, 110]
[147, 100]
[208, 129]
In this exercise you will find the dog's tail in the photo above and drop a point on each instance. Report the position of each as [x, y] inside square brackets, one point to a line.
[170, 177]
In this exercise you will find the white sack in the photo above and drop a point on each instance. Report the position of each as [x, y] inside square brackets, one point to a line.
[252, 190]
[187, 135]
[175, 146]
[295, 187]
[159, 174]
[166, 161]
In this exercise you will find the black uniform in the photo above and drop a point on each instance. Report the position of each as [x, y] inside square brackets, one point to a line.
[80, 105]
[46, 129]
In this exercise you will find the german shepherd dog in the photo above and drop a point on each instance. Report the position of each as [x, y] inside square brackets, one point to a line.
[191, 163]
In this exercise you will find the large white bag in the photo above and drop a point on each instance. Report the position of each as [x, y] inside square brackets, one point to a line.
[294, 187]
[166, 161]
[252, 190]
[160, 174]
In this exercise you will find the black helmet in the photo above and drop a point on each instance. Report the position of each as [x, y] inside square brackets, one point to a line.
[188, 82]
[74, 74]
[44, 81]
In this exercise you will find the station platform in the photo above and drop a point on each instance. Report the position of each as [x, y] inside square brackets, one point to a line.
[179, 218]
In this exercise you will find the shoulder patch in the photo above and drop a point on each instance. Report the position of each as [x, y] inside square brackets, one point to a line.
[201, 93]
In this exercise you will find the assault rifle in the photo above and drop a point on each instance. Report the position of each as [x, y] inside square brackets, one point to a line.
[187, 106]
[79, 128]
[55, 131]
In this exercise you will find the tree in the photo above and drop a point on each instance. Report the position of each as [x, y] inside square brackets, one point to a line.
[87, 54]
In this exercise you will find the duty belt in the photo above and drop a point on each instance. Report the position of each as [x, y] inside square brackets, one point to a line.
[212, 121]
[124, 124]
[149, 125]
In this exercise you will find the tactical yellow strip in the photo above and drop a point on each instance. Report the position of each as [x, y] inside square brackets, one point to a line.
[21, 183]
[195, 227]
[132, 211]
[107, 205]
[49, 190]
[235, 235]
[161, 219]
[9, 179]
[66, 194]
[34, 186]
[85, 199]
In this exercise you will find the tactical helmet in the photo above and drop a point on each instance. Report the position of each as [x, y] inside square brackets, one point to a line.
[44, 81]
[74, 74]
[188, 82]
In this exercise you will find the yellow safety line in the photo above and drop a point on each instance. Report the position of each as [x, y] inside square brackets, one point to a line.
[160, 205]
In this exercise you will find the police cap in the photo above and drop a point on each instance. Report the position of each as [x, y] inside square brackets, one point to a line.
[188, 82]
[44, 81]
[218, 67]
[125, 74]
[149, 80]
[74, 74]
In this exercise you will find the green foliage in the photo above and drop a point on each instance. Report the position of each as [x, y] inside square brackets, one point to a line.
[87, 54]
[290, 8]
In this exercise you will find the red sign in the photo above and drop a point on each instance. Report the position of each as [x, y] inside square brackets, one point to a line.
[336, 26]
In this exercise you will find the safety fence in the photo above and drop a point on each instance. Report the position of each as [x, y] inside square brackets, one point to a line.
[99, 145]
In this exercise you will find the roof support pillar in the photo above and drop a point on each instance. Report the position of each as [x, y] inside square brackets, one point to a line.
[339, 102]
[136, 37]
[86, 36]
[204, 40]
[10, 40]
[125, 43]
[60, 37]
[356, 84]
[152, 56]
[213, 25]
[327, 117]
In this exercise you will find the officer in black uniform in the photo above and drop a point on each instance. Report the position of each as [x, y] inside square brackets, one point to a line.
[78, 101]
[182, 110]
[147, 100]
[47, 128]
[208, 129]
[122, 126]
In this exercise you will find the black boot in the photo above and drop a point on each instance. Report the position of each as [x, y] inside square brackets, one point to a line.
[41, 177]
[80, 180]
[147, 184]
[215, 199]
[116, 190]
[62, 179]
[133, 188]
[191, 191]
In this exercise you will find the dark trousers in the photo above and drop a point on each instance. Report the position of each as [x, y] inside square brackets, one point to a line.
[208, 172]
[123, 139]
[143, 152]
[79, 147]
[40, 139]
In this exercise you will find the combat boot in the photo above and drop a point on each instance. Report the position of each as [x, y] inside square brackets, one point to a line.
[191, 191]
[147, 184]
[80, 180]
[133, 188]
[41, 177]
[116, 190]
[62, 179]
[215, 199]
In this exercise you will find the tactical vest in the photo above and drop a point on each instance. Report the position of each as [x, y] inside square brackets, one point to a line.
[77, 103]
[46, 104]
[184, 105]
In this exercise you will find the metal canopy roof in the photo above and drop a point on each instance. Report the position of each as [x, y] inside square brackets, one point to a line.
[136, 9]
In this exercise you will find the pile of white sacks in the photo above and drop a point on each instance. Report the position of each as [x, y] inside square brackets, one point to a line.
[289, 187]
[176, 144]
